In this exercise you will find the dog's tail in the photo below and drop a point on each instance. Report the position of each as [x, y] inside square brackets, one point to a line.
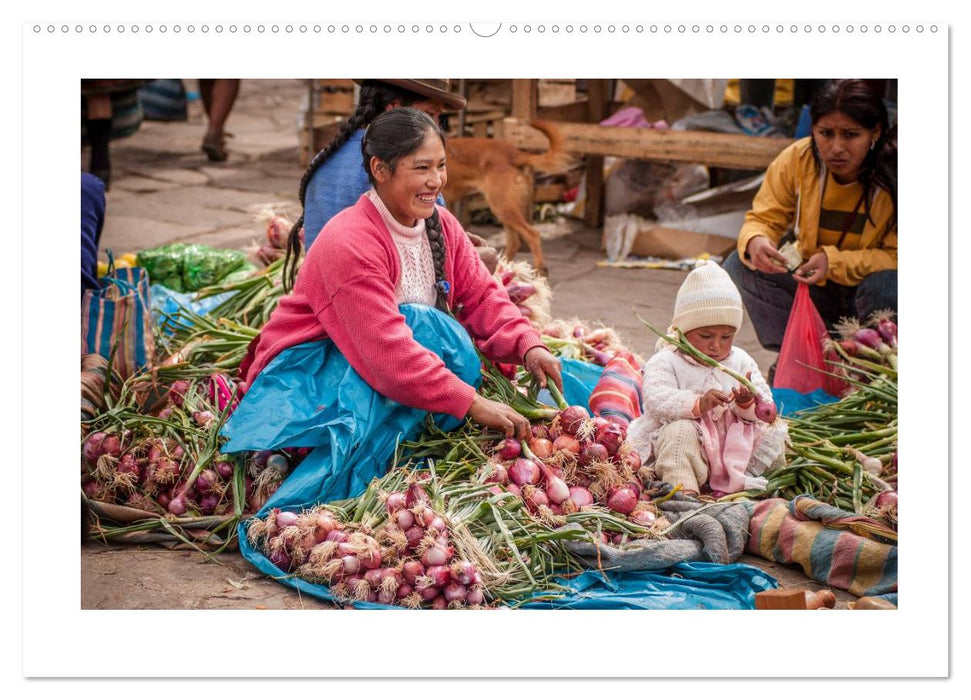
[553, 161]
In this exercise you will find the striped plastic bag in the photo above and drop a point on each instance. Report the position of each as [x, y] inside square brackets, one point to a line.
[116, 320]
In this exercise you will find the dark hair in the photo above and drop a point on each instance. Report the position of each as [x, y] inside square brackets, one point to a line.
[390, 137]
[857, 100]
[375, 98]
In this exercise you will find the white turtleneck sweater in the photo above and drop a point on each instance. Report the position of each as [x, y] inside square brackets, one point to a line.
[417, 282]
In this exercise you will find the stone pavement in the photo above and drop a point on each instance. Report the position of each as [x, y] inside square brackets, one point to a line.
[165, 190]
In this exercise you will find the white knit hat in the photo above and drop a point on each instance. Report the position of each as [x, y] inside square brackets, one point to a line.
[707, 297]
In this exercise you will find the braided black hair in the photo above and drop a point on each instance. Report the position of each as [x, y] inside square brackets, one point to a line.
[391, 136]
[857, 100]
[375, 98]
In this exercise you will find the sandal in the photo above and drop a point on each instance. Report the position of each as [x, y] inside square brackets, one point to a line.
[215, 147]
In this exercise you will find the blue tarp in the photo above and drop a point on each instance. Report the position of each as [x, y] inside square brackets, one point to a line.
[317, 400]
[788, 401]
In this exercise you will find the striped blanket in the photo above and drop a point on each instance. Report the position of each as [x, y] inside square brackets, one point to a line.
[618, 392]
[834, 547]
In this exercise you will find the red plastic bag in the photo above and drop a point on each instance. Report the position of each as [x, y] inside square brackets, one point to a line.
[802, 356]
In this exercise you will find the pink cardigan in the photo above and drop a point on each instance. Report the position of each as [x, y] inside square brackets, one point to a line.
[346, 292]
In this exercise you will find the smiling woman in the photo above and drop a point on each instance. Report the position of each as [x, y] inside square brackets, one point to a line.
[395, 248]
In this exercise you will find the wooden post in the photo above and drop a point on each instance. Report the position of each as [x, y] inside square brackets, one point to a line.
[525, 100]
[597, 97]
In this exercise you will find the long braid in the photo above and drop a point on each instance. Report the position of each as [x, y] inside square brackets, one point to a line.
[374, 99]
[433, 229]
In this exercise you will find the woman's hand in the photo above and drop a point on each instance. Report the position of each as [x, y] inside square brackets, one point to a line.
[765, 256]
[712, 398]
[541, 363]
[814, 270]
[499, 416]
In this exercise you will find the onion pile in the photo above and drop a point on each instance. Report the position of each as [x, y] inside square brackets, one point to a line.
[407, 560]
[579, 340]
[529, 291]
[277, 232]
[587, 466]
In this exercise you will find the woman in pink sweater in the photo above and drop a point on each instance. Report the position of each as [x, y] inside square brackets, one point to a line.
[396, 247]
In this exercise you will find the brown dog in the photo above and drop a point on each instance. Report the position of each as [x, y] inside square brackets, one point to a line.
[503, 174]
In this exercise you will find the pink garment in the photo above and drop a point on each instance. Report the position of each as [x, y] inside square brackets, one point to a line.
[346, 292]
[632, 116]
[728, 443]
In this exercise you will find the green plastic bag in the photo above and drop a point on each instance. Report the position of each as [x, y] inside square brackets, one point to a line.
[188, 267]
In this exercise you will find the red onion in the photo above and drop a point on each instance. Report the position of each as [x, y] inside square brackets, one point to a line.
[386, 597]
[324, 524]
[371, 559]
[396, 501]
[621, 499]
[437, 524]
[91, 488]
[870, 338]
[429, 594]
[509, 449]
[541, 447]
[415, 494]
[205, 481]
[111, 445]
[412, 570]
[635, 487]
[351, 564]
[642, 515]
[338, 536]
[203, 418]
[632, 460]
[524, 471]
[440, 603]
[498, 473]
[92, 446]
[535, 498]
[519, 291]
[454, 591]
[580, 496]
[279, 462]
[572, 418]
[405, 519]
[177, 506]
[540, 430]
[514, 489]
[496, 490]
[593, 452]
[439, 575]
[374, 577]
[222, 391]
[280, 559]
[475, 596]
[178, 390]
[259, 458]
[886, 498]
[286, 518]
[165, 413]
[225, 469]
[404, 590]
[463, 572]
[208, 504]
[128, 465]
[888, 331]
[434, 556]
[556, 488]
[611, 436]
[765, 409]
[567, 443]
[414, 535]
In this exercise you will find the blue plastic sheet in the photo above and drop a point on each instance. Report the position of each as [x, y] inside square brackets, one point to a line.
[168, 302]
[788, 401]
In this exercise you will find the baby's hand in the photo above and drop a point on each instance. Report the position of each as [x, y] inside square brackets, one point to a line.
[712, 398]
[742, 396]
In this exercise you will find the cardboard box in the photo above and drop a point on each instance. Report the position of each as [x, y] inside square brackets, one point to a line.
[674, 244]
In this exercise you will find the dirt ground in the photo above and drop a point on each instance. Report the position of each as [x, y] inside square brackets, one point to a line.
[164, 190]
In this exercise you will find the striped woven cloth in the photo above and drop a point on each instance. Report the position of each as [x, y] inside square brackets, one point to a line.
[618, 392]
[834, 547]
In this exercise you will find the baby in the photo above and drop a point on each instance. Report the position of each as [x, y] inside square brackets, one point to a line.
[698, 426]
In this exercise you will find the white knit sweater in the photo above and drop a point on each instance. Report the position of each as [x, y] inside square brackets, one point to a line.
[673, 383]
[417, 282]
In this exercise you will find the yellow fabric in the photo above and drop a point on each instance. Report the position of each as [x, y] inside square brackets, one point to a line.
[790, 196]
[839, 201]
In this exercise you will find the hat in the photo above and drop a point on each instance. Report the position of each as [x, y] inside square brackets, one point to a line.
[707, 297]
[434, 89]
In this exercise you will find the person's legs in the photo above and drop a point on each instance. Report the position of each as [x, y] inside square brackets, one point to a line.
[98, 126]
[876, 293]
[218, 97]
[678, 456]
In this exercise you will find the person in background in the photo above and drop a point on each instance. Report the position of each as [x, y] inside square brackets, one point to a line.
[698, 426]
[336, 177]
[92, 222]
[834, 195]
[396, 246]
[218, 96]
